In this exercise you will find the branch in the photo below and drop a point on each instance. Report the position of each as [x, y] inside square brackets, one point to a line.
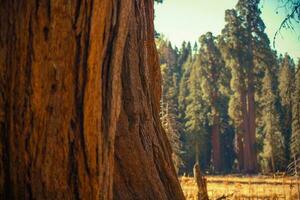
[286, 21]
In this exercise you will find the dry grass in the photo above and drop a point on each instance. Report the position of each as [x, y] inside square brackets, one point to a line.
[240, 188]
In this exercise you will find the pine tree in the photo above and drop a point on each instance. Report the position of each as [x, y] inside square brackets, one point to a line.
[184, 62]
[183, 87]
[183, 102]
[172, 128]
[212, 66]
[257, 56]
[232, 47]
[273, 149]
[185, 52]
[244, 40]
[295, 141]
[286, 85]
[170, 91]
[196, 115]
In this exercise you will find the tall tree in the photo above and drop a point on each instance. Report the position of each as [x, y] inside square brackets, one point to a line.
[185, 60]
[286, 85]
[233, 50]
[242, 34]
[73, 76]
[212, 66]
[255, 37]
[185, 52]
[183, 87]
[295, 141]
[172, 128]
[183, 102]
[273, 150]
[196, 114]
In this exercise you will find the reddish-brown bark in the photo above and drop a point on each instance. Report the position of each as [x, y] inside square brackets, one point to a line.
[252, 124]
[56, 78]
[143, 164]
[215, 140]
[67, 71]
[239, 149]
[245, 131]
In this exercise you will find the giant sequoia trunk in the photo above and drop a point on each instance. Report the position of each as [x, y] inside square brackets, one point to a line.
[245, 131]
[248, 128]
[68, 70]
[143, 164]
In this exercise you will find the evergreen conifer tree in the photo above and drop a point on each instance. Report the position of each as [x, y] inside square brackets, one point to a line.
[273, 149]
[196, 114]
[212, 66]
[286, 86]
[295, 141]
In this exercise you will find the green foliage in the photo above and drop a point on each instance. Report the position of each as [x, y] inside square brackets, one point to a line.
[273, 150]
[231, 44]
[286, 87]
[196, 110]
[286, 81]
[172, 128]
[227, 81]
[295, 141]
[212, 67]
[183, 87]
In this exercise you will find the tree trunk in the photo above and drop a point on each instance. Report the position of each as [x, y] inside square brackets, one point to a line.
[273, 163]
[197, 152]
[239, 149]
[215, 140]
[143, 164]
[287, 129]
[252, 125]
[63, 67]
[246, 135]
[60, 80]
[252, 167]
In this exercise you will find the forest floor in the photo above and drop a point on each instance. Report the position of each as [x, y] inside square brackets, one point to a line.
[242, 188]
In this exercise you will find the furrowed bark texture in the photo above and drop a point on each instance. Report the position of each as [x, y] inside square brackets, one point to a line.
[60, 69]
[63, 66]
[143, 164]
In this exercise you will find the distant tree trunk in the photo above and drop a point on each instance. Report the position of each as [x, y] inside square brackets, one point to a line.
[239, 150]
[252, 166]
[248, 124]
[215, 140]
[252, 126]
[197, 153]
[246, 134]
[63, 67]
[273, 167]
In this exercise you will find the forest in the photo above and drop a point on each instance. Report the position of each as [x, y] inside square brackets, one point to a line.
[96, 104]
[231, 102]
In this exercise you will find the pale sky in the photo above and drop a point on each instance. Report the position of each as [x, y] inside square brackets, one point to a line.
[181, 20]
